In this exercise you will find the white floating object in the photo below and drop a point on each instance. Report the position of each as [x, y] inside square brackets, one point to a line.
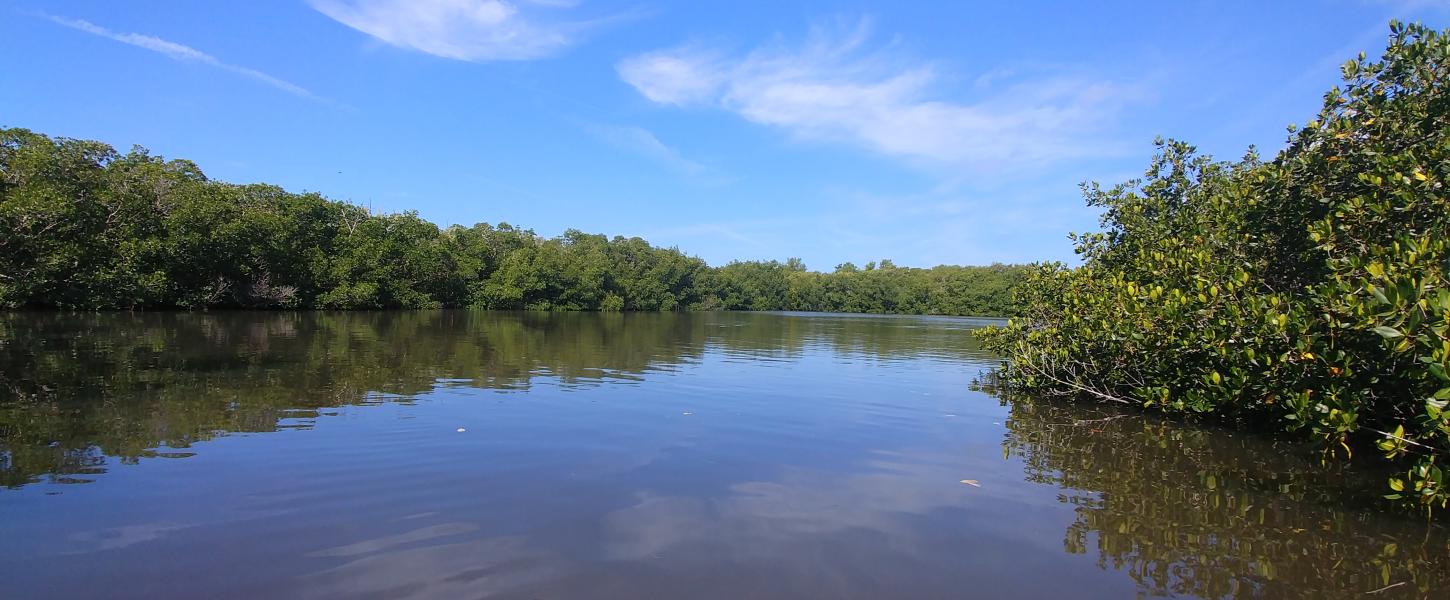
[687, 413]
[461, 430]
[971, 482]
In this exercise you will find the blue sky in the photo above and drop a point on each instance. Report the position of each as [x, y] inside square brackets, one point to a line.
[924, 132]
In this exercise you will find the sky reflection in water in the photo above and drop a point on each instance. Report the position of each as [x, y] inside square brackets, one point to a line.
[318, 455]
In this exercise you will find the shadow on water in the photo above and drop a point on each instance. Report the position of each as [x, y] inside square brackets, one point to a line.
[629, 455]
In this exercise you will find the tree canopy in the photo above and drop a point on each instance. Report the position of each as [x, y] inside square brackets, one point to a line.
[83, 226]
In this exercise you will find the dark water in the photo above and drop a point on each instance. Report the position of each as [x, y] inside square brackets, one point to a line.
[725, 455]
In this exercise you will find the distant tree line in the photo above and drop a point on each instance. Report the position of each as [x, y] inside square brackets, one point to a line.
[83, 226]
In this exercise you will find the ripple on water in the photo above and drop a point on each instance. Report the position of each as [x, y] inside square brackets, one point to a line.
[467, 454]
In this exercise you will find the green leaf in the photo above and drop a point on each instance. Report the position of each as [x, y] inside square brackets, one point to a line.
[1439, 372]
[1389, 333]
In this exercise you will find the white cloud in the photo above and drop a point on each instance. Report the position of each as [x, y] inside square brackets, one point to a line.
[473, 30]
[834, 88]
[680, 76]
[182, 53]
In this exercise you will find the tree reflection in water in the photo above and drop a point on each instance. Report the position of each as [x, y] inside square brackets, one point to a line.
[1200, 512]
[1182, 510]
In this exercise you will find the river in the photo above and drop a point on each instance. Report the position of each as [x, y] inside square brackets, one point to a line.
[457, 454]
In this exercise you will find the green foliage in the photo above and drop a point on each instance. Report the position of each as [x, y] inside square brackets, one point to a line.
[883, 289]
[1308, 291]
[85, 227]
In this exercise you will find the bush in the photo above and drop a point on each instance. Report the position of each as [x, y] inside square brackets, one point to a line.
[1307, 292]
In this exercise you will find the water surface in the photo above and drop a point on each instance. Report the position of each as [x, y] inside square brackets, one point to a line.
[454, 454]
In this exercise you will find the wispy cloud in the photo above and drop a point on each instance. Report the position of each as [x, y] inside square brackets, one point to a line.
[473, 30]
[934, 227]
[182, 53]
[755, 237]
[643, 142]
[836, 87]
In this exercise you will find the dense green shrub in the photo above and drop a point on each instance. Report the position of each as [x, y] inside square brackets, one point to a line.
[1308, 291]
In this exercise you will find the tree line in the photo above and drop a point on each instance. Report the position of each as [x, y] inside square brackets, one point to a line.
[83, 226]
[1308, 292]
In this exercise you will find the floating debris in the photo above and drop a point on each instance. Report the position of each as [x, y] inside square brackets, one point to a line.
[687, 413]
[461, 430]
[971, 482]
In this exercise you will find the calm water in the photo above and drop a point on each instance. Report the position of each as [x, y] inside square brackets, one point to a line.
[467, 455]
